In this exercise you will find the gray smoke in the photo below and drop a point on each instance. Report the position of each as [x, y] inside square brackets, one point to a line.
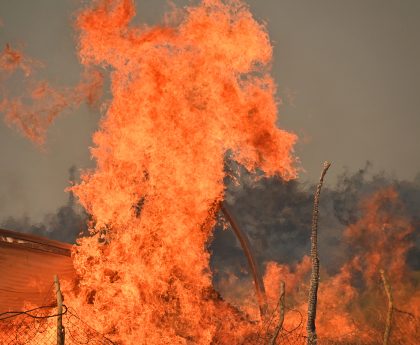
[66, 224]
[276, 215]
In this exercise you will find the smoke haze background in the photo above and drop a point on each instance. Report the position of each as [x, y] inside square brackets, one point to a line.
[277, 217]
[348, 77]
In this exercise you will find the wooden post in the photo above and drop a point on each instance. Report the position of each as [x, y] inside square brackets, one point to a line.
[246, 246]
[388, 292]
[60, 328]
[313, 290]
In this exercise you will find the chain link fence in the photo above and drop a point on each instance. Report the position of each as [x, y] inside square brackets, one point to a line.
[405, 330]
[38, 326]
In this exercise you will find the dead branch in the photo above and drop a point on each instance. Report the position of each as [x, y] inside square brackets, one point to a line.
[281, 319]
[388, 292]
[313, 290]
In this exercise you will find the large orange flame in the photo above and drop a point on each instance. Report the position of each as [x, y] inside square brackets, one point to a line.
[183, 95]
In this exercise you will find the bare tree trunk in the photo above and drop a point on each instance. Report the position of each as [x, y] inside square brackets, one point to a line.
[281, 319]
[60, 328]
[313, 290]
[390, 307]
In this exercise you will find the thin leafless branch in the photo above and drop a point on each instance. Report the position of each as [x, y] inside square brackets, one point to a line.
[281, 318]
[313, 290]
[388, 292]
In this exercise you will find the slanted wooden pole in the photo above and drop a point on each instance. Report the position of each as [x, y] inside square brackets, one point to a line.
[313, 290]
[60, 328]
[388, 292]
[246, 246]
[281, 318]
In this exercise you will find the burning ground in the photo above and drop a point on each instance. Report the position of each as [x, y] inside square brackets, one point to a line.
[367, 223]
[191, 122]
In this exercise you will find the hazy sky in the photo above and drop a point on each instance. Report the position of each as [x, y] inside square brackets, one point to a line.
[348, 73]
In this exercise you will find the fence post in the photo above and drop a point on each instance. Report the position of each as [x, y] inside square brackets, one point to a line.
[60, 328]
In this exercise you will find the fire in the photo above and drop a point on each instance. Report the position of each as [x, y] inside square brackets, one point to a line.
[36, 108]
[183, 95]
[352, 303]
[13, 59]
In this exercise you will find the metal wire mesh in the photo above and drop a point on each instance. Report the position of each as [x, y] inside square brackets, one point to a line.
[39, 327]
[405, 330]
[79, 332]
[29, 327]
